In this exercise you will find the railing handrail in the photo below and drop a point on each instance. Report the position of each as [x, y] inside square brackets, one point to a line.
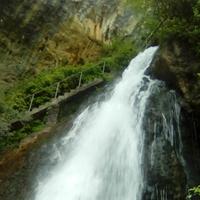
[57, 84]
[66, 78]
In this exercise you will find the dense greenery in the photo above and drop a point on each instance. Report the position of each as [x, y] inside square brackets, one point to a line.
[15, 100]
[180, 21]
[13, 139]
[138, 6]
[44, 84]
[117, 54]
[169, 20]
[194, 193]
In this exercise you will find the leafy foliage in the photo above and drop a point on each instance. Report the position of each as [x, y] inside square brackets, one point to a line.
[15, 100]
[180, 19]
[117, 54]
[194, 193]
[137, 5]
[44, 85]
[13, 139]
[170, 9]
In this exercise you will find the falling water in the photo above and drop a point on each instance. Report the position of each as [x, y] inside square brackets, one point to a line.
[104, 162]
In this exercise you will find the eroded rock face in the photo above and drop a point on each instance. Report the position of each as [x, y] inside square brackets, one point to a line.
[178, 67]
[43, 33]
[28, 19]
[164, 175]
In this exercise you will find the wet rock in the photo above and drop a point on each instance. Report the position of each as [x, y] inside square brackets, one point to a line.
[164, 175]
[176, 64]
[179, 68]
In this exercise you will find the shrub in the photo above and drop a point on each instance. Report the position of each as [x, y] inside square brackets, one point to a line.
[13, 139]
[194, 193]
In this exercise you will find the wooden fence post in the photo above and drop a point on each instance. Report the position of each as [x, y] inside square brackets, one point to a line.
[31, 103]
[57, 89]
[80, 79]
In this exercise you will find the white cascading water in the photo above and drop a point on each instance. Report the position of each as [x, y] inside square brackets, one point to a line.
[106, 158]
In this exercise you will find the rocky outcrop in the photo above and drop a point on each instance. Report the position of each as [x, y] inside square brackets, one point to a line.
[164, 176]
[176, 64]
[49, 33]
[179, 68]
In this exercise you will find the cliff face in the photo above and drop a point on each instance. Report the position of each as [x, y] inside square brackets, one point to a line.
[27, 20]
[177, 65]
[43, 33]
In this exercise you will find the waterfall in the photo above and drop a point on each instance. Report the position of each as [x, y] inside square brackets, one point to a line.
[164, 165]
[104, 161]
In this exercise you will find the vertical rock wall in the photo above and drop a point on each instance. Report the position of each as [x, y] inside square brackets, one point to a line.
[57, 32]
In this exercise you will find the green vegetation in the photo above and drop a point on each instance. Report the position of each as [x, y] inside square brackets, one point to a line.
[180, 21]
[169, 21]
[44, 85]
[15, 100]
[118, 54]
[115, 56]
[138, 6]
[194, 193]
[12, 139]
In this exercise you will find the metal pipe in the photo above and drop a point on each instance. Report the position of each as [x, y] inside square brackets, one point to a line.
[57, 89]
[80, 80]
[31, 103]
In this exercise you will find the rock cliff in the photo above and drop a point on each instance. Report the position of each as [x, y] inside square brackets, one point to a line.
[177, 65]
[47, 33]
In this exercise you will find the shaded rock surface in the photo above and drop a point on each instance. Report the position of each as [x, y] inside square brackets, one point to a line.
[36, 154]
[50, 33]
[179, 68]
[176, 64]
[164, 175]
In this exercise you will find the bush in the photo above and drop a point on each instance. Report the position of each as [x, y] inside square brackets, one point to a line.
[181, 22]
[13, 139]
[118, 54]
[15, 100]
[194, 193]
